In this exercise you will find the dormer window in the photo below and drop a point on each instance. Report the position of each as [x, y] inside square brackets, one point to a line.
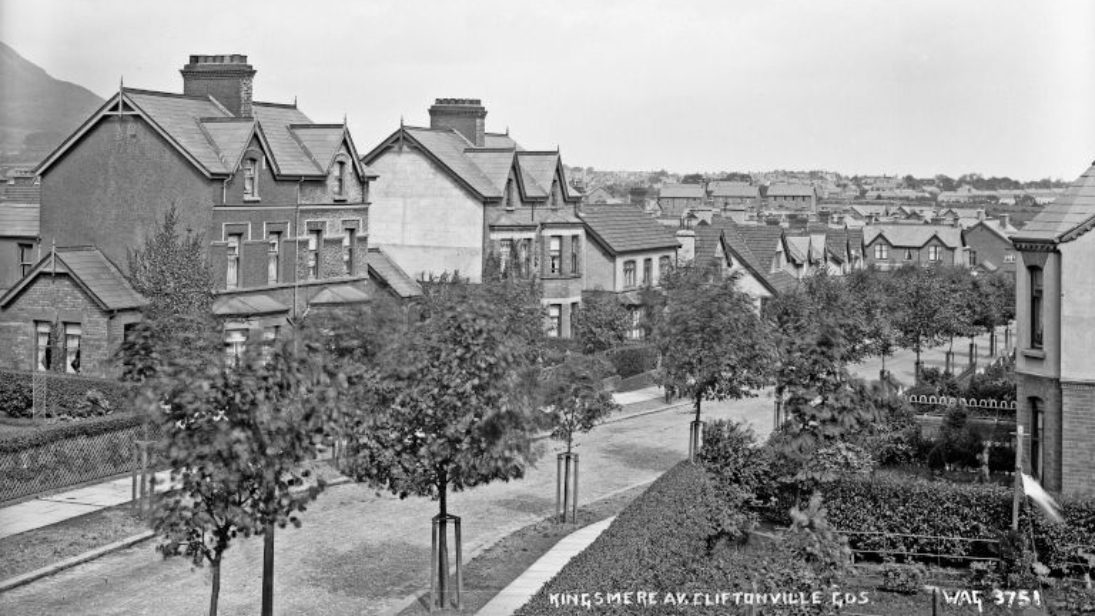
[340, 179]
[250, 179]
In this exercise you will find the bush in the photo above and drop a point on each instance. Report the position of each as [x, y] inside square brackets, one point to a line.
[905, 579]
[63, 395]
[1059, 546]
[630, 361]
[62, 431]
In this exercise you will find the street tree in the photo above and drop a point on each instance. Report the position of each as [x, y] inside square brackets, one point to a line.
[713, 344]
[576, 399]
[920, 305]
[875, 296]
[235, 437]
[602, 323]
[450, 413]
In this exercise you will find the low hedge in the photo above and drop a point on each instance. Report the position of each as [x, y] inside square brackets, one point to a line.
[64, 395]
[1058, 545]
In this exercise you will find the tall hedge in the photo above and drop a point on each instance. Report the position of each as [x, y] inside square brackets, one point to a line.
[63, 395]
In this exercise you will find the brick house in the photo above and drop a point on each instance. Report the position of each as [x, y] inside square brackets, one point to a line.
[674, 200]
[988, 245]
[734, 199]
[627, 251]
[889, 247]
[68, 314]
[452, 195]
[282, 201]
[721, 245]
[1055, 293]
[791, 197]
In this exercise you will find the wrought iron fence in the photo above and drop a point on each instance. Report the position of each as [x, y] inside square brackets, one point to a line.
[70, 461]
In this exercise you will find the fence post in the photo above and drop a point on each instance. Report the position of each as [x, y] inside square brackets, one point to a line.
[1018, 478]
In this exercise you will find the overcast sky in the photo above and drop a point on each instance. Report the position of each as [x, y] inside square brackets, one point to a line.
[999, 87]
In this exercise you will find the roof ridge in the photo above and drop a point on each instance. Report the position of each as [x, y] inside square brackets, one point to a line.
[224, 119]
[281, 105]
[314, 125]
[167, 94]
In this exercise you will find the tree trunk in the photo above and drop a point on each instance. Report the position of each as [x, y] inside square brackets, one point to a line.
[698, 401]
[268, 571]
[566, 485]
[443, 548]
[215, 595]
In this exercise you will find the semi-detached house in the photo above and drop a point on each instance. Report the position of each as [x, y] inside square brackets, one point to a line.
[452, 195]
[281, 201]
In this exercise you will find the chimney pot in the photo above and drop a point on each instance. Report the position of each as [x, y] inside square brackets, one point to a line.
[228, 78]
[466, 116]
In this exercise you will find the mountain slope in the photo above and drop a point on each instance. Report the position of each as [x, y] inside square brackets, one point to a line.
[36, 110]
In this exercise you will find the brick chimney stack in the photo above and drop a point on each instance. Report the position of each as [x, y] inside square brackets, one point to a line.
[466, 116]
[226, 77]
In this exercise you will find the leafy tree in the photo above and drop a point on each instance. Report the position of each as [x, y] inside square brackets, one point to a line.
[713, 344]
[920, 306]
[958, 303]
[601, 324]
[577, 401]
[693, 178]
[170, 270]
[235, 439]
[450, 413]
[875, 296]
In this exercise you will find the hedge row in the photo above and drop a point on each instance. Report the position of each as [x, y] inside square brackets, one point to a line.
[45, 435]
[912, 506]
[629, 361]
[63, 395]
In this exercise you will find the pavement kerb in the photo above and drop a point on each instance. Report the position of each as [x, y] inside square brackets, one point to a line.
[417, 596]
[27, 578]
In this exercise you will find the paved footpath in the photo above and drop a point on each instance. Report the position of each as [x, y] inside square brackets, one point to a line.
[363, 553]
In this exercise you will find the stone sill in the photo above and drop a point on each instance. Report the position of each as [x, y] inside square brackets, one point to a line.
[1034, 353]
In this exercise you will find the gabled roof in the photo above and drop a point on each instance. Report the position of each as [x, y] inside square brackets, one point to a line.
[682, 191]
[483, 170]
[798, 248]
[92, 271]
[735, 189]
[338, 295]
[18, 220]
[391, 275]
[624, 228]
[763, 240]
[994, 226]
[213, 139]
[913, 236]
[1068, 217]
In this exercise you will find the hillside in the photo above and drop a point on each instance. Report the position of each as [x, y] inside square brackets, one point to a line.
[36, 110]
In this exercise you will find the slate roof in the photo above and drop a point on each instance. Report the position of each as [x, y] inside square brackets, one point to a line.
[495, 165]
[540, 166]
[21, 191]
[782, 282]
[762, 241]
[338, 295]
[92, 271]
[387, 272]
[913, 236]
[855, 241]
[623, 228]
[214, 139]
[682, 191]
[735, 189]
[531, 216]
[247, 305]
[798, 248]
[499, 140]
[1069, 215]
[18, 220]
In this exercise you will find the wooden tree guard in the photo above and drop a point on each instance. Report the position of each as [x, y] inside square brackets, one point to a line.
[992, 343]
[442, 595]
[776, 419]
[973, 353]
[695, 439]
[1007, 338]
[566, 487]
[1018, 478]
[950, 362]
[143, 484]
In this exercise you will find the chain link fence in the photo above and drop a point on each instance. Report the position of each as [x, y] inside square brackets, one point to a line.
[70, 455]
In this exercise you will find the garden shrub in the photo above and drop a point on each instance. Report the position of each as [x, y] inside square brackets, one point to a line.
[1059, 546]
[45, 435]
[63, 395]
[905, 579]
[629, 361]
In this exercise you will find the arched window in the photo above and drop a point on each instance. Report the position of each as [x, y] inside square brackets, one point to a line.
[340, 178]
[1036, 307]
[250, 179]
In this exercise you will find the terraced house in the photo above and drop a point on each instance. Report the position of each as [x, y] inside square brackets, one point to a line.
[891, 246]
[452, 195]
[282, 201]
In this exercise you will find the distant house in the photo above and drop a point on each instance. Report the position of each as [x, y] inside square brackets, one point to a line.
[734, 198]
[766, 243]
[674, 200]
[600, 196]
[989, 247]
[791, 196]
[68, 314]
[891, 246]
[721, 245]
[454, 197]
[19, 242]
[1055, 293]
[627, 251]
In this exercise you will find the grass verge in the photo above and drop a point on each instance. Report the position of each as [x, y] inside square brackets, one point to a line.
[490, 572]
[44, 546]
